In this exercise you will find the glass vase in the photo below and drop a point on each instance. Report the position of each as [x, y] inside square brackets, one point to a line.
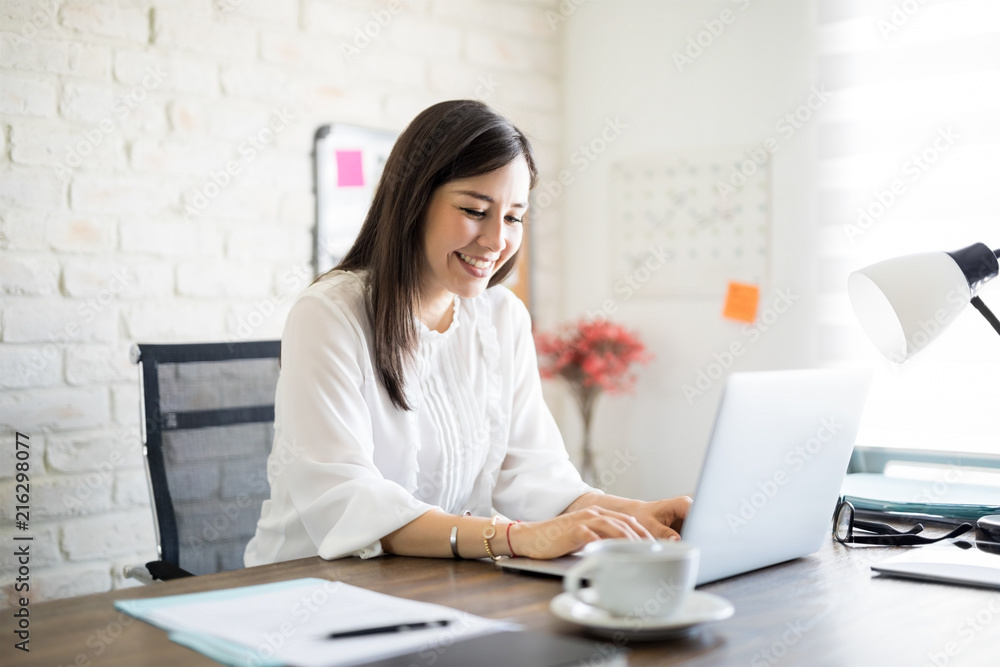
[586, 397]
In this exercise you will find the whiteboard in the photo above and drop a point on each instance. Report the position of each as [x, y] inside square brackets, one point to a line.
[347, 162]
[675, 235]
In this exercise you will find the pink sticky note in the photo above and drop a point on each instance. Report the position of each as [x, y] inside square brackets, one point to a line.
[349, 170]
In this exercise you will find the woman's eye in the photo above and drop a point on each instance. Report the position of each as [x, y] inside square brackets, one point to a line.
[479, 215]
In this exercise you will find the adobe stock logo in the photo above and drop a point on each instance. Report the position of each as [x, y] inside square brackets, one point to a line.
[786, 126]
[915, 166]
[721, 362]
[898, 17]
[121, 108]
[363, 36]
[220, 179]
[582, 158]
[699, 43]
[566, 9]
[796, 458]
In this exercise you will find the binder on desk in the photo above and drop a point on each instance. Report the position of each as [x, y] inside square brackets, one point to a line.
[878, 493]
[964, 562]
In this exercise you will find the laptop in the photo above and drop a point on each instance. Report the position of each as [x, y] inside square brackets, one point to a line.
[772, 473]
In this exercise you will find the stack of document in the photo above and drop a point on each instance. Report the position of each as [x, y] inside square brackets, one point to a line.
[955, 500]
[289, 623]
[319, 623]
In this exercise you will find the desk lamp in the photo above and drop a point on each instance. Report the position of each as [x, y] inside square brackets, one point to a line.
[906, 302]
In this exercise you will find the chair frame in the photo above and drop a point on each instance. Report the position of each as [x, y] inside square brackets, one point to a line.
[148, 357]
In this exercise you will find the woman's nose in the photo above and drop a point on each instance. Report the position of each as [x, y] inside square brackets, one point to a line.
[491, 236]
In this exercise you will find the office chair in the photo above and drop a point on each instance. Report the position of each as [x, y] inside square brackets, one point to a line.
[207, 425]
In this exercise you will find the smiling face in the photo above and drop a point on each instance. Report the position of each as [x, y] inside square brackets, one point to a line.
[472, 227]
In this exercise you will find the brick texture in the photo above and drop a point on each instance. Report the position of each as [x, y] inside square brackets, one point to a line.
[115, 116]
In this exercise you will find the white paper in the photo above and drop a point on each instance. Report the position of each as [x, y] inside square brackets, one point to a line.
[291, 624]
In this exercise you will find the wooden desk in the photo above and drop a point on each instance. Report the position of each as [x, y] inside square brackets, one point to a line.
[826, 609]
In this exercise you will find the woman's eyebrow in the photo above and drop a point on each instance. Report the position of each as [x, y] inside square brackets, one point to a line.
[486, 198]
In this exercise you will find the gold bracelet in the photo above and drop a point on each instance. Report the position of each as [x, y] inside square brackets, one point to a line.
[489, 534]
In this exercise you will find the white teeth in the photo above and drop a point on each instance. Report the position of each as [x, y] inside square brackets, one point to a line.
[478, 263]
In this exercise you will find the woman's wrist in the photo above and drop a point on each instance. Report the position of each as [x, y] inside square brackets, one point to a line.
[513, 538]
[520, 539]
[489, 534]
[510, 545]
[479, 537]
[501, 539]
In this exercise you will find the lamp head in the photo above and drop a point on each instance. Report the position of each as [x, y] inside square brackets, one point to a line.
[906, 302]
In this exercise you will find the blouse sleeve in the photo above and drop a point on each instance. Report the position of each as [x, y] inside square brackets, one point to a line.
[537, 480]
[344, 503]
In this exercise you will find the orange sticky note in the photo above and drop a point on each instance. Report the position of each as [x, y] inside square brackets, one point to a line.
[741, 302]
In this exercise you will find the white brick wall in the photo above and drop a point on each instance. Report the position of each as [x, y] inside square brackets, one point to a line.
[29, 275]
[114, 114]
[73, 232]
[57, 320]
[129, 22]
[22, 95]
[24, 366]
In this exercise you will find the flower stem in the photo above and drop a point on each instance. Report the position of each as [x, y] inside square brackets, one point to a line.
[585, 399]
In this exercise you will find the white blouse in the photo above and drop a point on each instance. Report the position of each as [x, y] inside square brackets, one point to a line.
[347, 467]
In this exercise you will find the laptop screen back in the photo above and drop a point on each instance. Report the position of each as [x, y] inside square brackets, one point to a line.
[775, 463]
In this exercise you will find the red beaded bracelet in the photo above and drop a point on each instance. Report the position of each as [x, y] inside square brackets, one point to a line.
[512, 554]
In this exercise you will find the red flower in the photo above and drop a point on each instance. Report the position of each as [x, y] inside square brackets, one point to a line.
[591, 355]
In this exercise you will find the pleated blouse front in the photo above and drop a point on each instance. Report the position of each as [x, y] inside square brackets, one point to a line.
[449, 396]
[347, 467]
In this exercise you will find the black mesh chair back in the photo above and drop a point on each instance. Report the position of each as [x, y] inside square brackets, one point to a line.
[208, 424]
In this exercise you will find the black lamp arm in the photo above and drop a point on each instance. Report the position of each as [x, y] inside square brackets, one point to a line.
[981, 307]
[987, 313]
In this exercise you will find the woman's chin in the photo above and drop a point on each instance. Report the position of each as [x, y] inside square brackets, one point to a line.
[470, 288]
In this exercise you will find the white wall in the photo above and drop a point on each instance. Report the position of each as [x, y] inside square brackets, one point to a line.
[618, 62]
[219, 70]
[558, 69]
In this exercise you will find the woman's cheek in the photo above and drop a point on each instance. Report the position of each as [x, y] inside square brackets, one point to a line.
[514, 239]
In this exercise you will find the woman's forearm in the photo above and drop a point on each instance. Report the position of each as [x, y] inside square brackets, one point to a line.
[429, 535]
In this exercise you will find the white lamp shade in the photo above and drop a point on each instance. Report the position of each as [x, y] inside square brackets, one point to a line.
[906, 302]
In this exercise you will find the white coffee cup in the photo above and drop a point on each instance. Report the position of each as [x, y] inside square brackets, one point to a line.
[648, 578]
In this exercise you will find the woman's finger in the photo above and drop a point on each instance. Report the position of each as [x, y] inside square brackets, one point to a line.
[628, 518]
[663, 532]
[646, 533]
[617, 525]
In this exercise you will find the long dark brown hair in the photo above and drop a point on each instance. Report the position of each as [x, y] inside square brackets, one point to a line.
[446, 142]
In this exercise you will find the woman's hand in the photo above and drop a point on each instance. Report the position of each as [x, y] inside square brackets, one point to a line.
[662, 518]
[573, 530]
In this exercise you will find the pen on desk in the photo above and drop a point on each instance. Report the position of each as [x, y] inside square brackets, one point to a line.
[399, 627]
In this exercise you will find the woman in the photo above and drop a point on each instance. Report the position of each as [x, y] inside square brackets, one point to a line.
[409, 404]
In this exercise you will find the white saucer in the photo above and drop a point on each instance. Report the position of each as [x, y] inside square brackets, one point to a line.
[698, 608]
